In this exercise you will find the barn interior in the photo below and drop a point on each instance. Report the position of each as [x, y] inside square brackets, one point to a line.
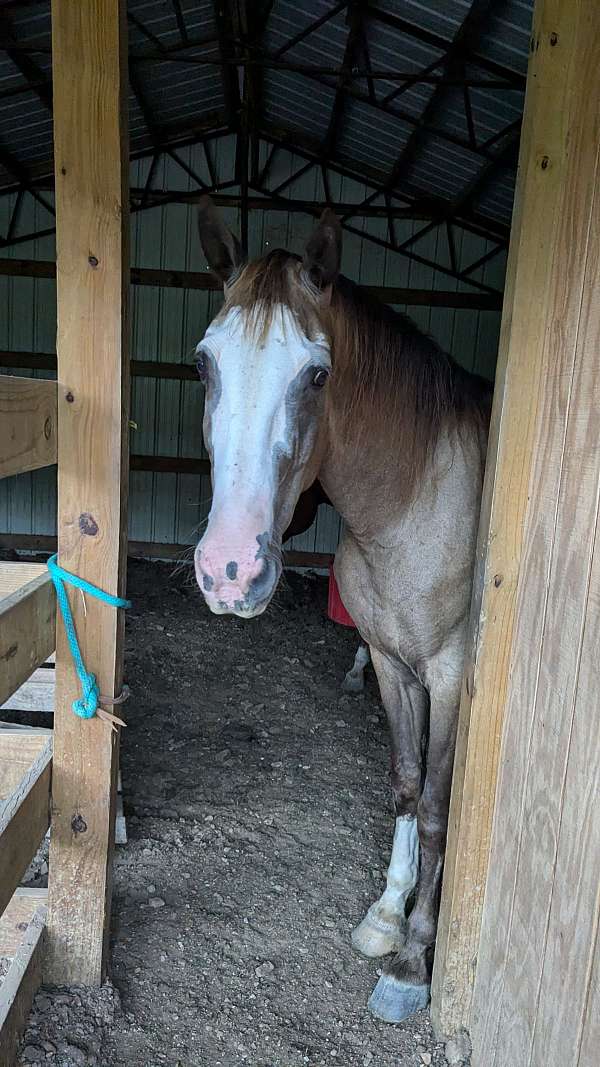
[404, 117]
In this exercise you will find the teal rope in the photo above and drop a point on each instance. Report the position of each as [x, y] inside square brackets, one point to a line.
[87, 705]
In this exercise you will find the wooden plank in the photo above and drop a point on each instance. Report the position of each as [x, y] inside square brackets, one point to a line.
[541, 914]
[20, 986]
[19, 748]
[546, 182]
[91, 170]
[194, 279]
[27, 626]
[24, 819]
[140, 368]
[27, 424]
[16, 917]
[36, 694]
[154, 550]
[170, 464]
[14, 576]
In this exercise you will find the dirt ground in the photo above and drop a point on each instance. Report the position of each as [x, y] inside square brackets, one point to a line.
[260, 826]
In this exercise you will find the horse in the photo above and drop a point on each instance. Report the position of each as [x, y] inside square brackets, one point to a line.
[304, 515]
[308, 377]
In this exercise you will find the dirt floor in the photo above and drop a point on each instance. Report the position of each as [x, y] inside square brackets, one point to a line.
[260, 825]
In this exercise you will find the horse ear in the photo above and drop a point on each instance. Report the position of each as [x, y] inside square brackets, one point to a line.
[221, 248]
[323, 252]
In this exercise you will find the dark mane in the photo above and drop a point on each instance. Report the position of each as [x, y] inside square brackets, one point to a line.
[386, 372]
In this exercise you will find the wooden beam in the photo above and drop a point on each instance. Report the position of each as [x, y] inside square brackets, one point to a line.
[27, 623]
[27, 424]
[20, 985]
[24, 819]
[170, 464]
[90, 157]
[189, 279]
[152, 550]
[36, 694]
[544, 294]
[19, 748]
[140, 368]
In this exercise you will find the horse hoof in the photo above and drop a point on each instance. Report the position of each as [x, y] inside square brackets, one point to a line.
[375, 937]
[393, 1001]
[353, 683]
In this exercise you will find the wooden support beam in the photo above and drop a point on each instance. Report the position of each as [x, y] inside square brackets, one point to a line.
[90, 157]
[20, 746]
[27, 623]
[21, 984]
[152, 550]
[553, 243]
[27, 424]
[189, 279]
[24, 819]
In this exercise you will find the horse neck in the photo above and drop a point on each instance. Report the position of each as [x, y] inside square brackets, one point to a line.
[362, 474]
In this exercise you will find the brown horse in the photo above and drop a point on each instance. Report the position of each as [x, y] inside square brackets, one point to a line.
[308, 377]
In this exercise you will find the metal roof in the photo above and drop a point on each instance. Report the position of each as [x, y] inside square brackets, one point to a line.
[420, 100]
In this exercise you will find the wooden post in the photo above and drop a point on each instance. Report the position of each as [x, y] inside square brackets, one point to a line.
[557, 171]
[91, 163]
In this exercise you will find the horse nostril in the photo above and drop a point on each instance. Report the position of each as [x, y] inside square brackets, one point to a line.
[207, 582]
[262, 584]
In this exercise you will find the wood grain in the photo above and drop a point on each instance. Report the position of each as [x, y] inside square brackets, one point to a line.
[27, 624]
[36, 694]
[20, 986]
[519, 381]
[24, 819]
[17, 915]
[536, 954]
[27, 424]
[19, 747]
[90, 92]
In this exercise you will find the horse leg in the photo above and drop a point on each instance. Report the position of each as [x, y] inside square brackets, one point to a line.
[354, 682]
[406, 703]
[404, 986]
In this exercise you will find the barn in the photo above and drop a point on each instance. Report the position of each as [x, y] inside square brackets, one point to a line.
[457, 143]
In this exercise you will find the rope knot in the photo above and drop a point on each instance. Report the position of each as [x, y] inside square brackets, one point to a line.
[87, 704]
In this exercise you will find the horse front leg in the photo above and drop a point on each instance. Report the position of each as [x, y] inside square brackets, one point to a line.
[354, 682]
[406, 704]
[404, 985]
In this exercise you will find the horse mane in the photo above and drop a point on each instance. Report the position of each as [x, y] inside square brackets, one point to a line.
[389, 377]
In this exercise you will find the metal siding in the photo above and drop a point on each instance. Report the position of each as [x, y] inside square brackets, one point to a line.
[167, 323]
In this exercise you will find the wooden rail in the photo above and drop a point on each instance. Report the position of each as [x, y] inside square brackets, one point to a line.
[24, 948]
[25, 809]
[155, 550]
[27, 424]
[27, 622]
[195, 279]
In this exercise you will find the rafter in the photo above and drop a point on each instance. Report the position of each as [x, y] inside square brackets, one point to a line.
[355, 18]
[419, 33]
[37, 81]
[312, 26]
[506, 157]
[453, 63]
[227, 52]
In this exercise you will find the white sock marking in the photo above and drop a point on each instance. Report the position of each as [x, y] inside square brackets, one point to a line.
[403, 870]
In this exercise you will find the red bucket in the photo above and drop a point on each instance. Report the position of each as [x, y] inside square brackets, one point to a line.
[335, 607]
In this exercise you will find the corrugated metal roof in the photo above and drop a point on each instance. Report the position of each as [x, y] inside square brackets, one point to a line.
[415, 136]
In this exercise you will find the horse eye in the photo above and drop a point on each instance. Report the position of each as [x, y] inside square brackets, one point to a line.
[320, 377]
[202, 366]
